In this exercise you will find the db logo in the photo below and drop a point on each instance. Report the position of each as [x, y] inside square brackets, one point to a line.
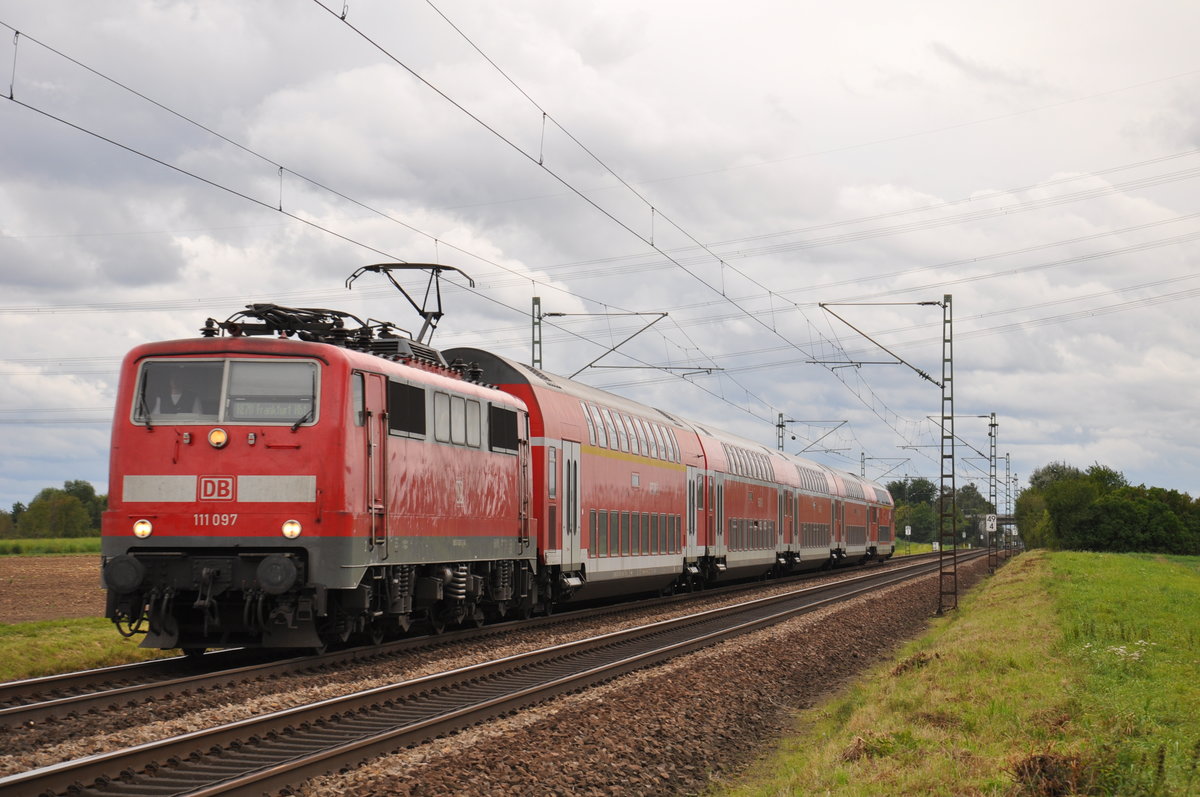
[216, 488]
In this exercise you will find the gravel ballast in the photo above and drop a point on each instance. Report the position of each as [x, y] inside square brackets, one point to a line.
[667, 730]
[673, 729]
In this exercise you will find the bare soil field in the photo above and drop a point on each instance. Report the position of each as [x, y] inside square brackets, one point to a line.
[50, 587]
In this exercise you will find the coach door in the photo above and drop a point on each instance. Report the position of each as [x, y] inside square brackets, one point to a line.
[571, 559]
[377, 435]
[719, 537]
[695, 492]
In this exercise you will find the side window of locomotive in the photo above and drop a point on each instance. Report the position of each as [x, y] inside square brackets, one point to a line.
[358, 399]
[552, 471]
[458, 420]
[474, 423]
[502, 429]
[441, 417]
[179, 392]
[406, 409]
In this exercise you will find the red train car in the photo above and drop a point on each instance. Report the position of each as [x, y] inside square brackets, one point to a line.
[288, 480]
[288, 493]
[630, 498]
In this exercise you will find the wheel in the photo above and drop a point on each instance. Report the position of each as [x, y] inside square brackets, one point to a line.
[193, 653]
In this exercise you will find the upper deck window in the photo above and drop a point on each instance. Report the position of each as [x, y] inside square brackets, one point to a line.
[282, 392]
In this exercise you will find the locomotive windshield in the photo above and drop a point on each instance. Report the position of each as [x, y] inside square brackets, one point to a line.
[226, 391]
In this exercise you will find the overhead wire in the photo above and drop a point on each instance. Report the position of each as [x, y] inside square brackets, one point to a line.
[873, 403]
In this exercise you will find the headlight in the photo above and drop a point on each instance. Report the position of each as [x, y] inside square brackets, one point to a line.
[291, 529]
[218, 437]
[142, 529]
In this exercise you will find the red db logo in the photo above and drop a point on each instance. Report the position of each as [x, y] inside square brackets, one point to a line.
[216, 488]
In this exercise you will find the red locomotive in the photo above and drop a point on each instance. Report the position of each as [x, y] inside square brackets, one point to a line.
[289, 479]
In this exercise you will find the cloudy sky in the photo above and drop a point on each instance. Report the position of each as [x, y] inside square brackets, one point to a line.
[730, 164]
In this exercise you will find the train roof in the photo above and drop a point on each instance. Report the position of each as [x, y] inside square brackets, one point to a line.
[503, 371]
[424, 369]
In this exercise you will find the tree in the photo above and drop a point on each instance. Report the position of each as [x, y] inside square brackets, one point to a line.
[8, 529]
[921, 517]
[1067, 501]
[86, 493]
[54, 513]
[17, 509]
[1033, 520]
[971, 502]
[1046, 475]
[913, 491]
[1106, 479]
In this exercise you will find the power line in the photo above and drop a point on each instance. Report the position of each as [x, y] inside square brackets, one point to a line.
[874, 403]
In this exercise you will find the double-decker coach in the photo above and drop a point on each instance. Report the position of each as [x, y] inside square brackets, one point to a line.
[630, 498]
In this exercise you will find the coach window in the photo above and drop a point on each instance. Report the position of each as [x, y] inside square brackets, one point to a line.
[675, 457]
[642, 448]
[474, 424]
[591, 427]
[631, 432]
[651, 446]
[613, 440]
[614, 533]
[601, 541]
[552, 471]
[601, 434]
[622, 432]
[644, 426]
[616, 432]
[593, 548]
[357, 400]
[406, 409]
[624, 533]
[635, 533]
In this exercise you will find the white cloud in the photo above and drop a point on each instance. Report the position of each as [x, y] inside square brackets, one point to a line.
[780, 135]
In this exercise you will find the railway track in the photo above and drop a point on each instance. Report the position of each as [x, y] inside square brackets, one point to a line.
[71, 694]
[271, 751]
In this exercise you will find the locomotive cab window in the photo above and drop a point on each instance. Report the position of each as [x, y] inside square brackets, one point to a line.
[271, 392]
[227, 391]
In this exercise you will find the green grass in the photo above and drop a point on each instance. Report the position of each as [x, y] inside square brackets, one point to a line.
[28, 650]
[49, 546]
[904, 548]
[1064, 674]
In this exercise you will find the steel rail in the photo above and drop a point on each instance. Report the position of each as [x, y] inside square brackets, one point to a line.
[289, 745]
[92, 690]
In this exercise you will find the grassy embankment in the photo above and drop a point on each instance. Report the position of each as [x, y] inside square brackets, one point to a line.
[49, 547]
[1066, 673]
[28, 650]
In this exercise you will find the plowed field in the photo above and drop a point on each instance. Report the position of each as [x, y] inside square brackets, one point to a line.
[50, 588]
